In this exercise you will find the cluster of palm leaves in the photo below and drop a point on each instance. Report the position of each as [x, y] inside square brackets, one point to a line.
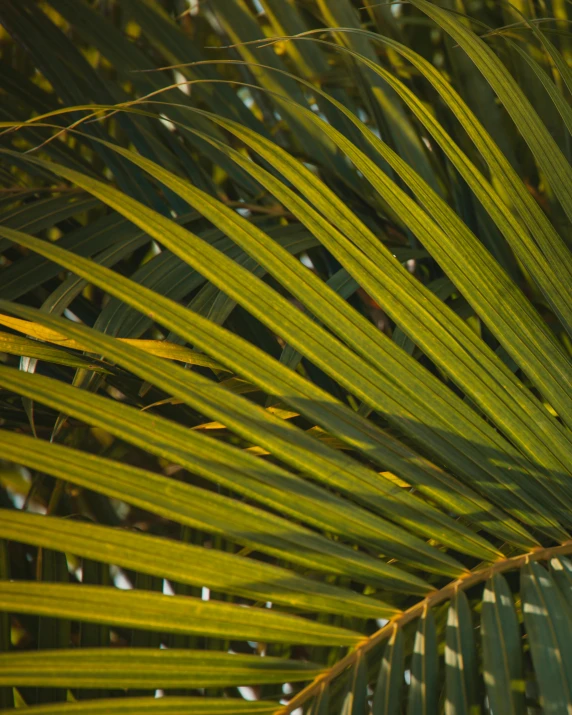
[285, 357]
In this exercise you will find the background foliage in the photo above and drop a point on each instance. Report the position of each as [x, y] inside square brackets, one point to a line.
[285, 382]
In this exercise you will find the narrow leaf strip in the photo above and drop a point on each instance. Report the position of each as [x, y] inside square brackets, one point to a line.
[502, 648]
[548, 623]
[355, 702]
[561, 570]
[147, 669]
[168, 614]
[460, 659]
[155, 706]
[423, 690]
[160, 348]
[390, 681]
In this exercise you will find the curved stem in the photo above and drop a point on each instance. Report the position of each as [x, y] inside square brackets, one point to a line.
[462, 583]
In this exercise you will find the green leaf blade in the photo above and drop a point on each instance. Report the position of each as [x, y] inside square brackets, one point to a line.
[502, 648]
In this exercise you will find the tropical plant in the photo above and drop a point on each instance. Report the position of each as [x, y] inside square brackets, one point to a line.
[285, 295]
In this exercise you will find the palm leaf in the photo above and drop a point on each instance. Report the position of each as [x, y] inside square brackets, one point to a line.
[285, 381]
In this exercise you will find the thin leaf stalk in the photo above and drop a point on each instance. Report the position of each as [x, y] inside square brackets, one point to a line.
[463, 583]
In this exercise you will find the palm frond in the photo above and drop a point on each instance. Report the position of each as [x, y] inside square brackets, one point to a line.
[285, 391]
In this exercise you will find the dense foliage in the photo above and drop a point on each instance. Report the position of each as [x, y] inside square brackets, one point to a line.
[285, 357]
